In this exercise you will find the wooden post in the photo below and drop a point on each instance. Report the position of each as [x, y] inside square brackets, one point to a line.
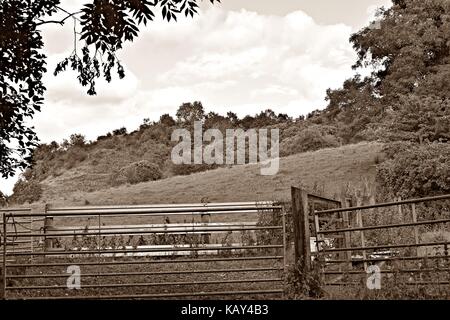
[206, 220]
[48, 223]
[48, 228]
[300, 215]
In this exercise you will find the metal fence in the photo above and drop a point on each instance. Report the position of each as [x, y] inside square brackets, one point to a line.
[405, 241]
[144, 251]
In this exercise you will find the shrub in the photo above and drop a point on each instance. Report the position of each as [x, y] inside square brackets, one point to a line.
[137, 172]
[26, 191]
[309, 139]
[415, 170]
[120, 131]
[3, 199]
[186, 169]
[74, 156]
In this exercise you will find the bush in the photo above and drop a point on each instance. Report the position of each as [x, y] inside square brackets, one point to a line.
[3, 199]
[415, 170]
[120, 131]
[187, 169]
[26, 191]
[74, 156]
[137, 172]
[309, 139]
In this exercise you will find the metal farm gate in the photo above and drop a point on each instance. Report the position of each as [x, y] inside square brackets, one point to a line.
[143, 251]
[402, 244]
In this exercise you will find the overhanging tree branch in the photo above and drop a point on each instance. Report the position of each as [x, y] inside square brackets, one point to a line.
[61, 22]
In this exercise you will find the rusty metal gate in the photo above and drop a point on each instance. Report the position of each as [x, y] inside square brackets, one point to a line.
[144, 251]
[404, 243]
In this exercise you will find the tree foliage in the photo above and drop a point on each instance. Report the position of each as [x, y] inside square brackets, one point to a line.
[415, 170]
[105, 26]
[406, 96]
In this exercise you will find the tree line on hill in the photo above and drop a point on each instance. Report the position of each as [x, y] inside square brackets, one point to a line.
[404, 102]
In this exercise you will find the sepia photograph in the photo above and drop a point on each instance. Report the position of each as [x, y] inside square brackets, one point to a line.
[225, 155]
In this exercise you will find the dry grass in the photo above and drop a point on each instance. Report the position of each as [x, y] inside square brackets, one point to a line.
[331, 168]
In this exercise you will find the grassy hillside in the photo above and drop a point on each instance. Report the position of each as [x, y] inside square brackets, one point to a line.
[329, 169]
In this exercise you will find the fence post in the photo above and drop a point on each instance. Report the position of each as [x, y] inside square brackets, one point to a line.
[48, 223]
[205, 219]
[48, 228]
[300, 216]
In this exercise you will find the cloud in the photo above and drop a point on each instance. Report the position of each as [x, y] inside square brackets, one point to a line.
[230, 60]
[238, 61]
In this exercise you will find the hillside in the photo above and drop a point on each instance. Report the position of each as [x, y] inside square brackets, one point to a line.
[144, 155]
[328, 168]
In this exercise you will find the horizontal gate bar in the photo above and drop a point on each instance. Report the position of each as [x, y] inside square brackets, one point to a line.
[93, 252]
[390, 259]
[388, 246]
[389, 271]
[56, 264]
[415, 283]
[170, 205]
[139, 211]
[121, 274]
[166, 295]
[386, 204]
[149, 284]
[131, 232]
[386, 226]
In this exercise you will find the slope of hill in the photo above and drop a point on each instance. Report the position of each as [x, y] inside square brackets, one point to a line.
[329, 168]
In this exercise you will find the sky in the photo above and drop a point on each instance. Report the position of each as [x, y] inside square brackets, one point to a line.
[243, 56]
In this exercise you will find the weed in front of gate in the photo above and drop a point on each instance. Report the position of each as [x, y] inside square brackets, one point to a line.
[301, 284]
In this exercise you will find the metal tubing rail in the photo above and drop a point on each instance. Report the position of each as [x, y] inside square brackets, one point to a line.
[96, 252]
[162, 210]
[146, 284]
[173, 205]
[401, 258]
[159, 226]
[385, 204]
[386, 226]
[156, 261]
[138, 232]
[415, 283]
[388, 246]
[165, 295]
[152, 273]
[14, 209]
[253, 205]
[429, 270]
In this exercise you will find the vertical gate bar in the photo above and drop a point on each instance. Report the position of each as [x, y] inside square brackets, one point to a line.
[416, 230]
[283, 219]
[3, 293]
[99, 238]
[317, 229]
[31, 238]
